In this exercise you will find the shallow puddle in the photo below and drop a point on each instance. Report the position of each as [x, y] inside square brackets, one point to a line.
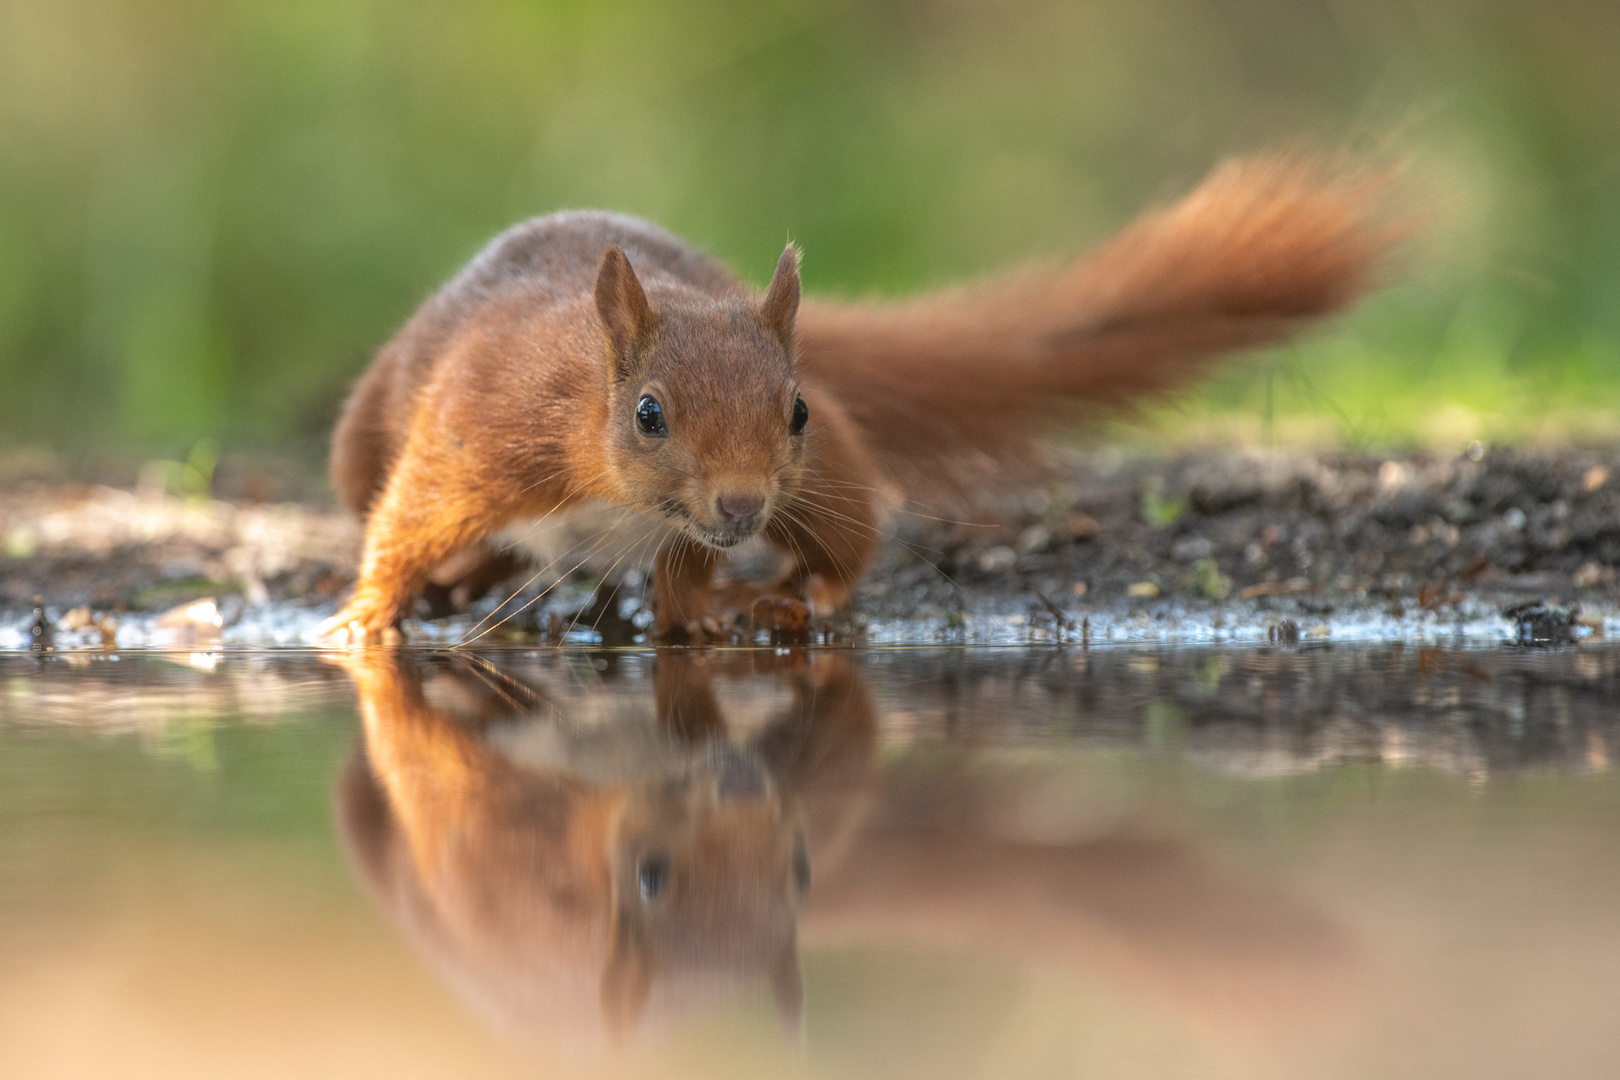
[1316, 861]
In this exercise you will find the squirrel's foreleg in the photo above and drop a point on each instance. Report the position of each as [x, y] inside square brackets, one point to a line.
[683, 583]
[434, 504]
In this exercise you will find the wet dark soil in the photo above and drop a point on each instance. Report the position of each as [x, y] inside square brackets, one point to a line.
[1302, 535]
[1287, 539]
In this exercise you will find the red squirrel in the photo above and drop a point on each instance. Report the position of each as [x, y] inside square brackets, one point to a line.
[590, 361]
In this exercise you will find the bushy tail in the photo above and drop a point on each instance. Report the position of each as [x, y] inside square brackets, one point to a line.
[950, 386]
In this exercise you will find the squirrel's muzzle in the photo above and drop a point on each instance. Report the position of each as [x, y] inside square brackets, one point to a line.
[739, 512]
[738, 775]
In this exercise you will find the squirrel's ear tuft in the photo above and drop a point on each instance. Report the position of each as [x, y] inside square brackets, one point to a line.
[787, 987]
[626, 317]
[782, 301]
[626, 982]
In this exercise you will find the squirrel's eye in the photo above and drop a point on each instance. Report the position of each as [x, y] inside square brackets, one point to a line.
[650, 416]
[651, 875]
[801, 417]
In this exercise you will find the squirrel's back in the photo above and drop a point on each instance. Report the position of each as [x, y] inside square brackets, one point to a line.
[558, 256]
[549, 260]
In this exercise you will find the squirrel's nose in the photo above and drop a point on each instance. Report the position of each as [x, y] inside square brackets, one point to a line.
[739, 510]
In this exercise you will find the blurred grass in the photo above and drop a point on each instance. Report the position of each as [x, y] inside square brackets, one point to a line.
[211, 213]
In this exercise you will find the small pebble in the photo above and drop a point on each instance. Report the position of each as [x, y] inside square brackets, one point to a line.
[1284, 632]
[39, 628]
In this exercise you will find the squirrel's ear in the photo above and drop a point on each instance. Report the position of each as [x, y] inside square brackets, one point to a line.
[622, 305]
[782, 301]
[626, 982]
[787, 987]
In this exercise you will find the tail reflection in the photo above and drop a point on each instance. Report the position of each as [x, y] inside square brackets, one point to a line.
[584, 869]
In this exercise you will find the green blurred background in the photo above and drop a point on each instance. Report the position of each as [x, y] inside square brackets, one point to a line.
[212, 211]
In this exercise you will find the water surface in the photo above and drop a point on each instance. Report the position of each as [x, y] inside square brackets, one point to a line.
[1316, 861]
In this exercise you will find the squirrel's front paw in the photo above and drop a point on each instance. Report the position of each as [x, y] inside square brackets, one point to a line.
[356, 626]
[704, 630]
[783, 617]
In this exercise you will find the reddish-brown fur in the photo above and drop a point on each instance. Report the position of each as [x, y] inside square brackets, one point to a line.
[512, 393]
[515, 876]
[521, 877]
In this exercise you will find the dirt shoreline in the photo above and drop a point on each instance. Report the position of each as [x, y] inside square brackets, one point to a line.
[1253, 537]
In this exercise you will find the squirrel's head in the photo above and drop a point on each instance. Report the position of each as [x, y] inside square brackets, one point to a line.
[709, 870]
[705, 424]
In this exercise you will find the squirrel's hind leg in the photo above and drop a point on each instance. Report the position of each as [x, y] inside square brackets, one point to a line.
[467, 575]
[831, 522]
[831, 535]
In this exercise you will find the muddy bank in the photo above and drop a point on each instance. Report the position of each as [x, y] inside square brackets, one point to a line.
[1261, 537]
[1197, 547]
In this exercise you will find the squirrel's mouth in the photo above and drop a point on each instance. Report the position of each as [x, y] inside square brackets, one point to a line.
[708, 535]
[716, 538]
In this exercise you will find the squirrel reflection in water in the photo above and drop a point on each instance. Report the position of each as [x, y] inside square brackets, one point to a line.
[578, 873]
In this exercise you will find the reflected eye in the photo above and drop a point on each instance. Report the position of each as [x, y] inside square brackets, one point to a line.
[653, 874]
[801, 417]
[650, 416]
